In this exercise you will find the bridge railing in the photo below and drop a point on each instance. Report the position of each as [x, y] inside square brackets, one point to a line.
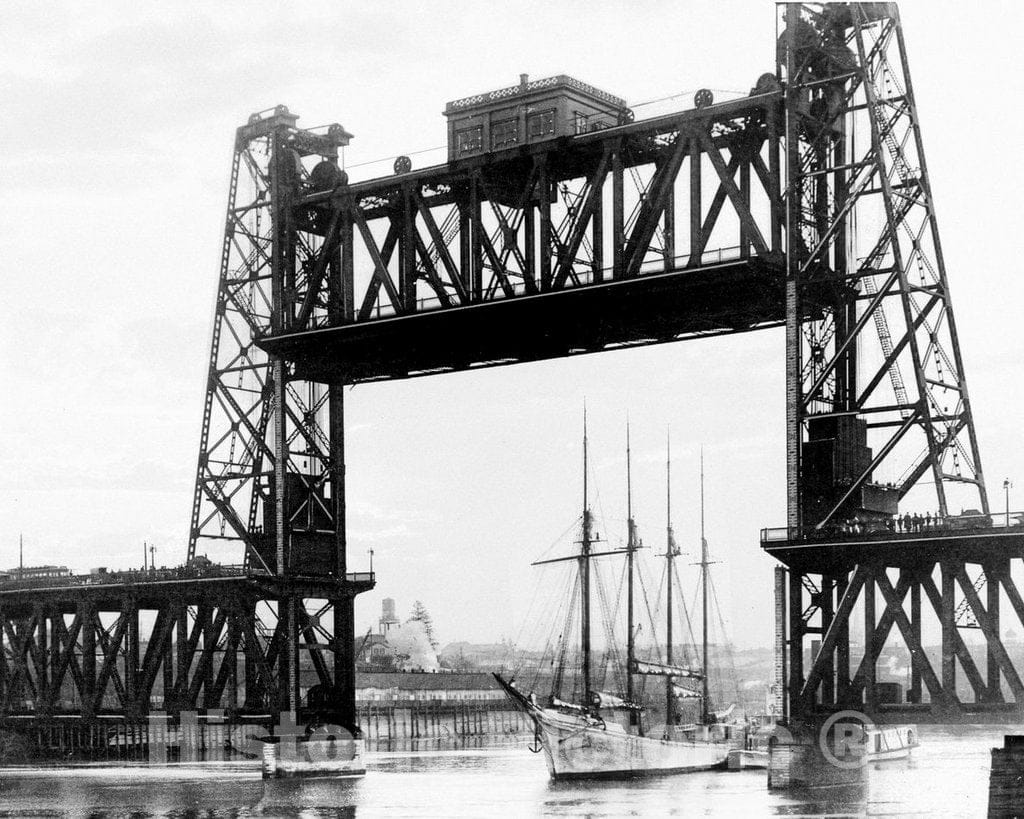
[136, 576]
[583, 279]
[899, 527]
[106, 578]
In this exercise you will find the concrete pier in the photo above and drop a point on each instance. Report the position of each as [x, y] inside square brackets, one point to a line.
[1006, 781]
[801, 762]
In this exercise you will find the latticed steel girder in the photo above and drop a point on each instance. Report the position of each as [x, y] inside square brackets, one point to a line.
[875, 379]
[871, 618]
[178, 646]
[882, 454]
[270, 469]
[637, 234]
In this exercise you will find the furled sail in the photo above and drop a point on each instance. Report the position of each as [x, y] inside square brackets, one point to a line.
[602, 699]
[568, 706]
[663, 670]
[685, 693]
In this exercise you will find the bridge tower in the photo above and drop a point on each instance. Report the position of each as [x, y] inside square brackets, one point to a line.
[879, 423]
[270, 479]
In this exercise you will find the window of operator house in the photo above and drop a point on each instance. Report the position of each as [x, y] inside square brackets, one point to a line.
[470, 139]
[540, 123]
[504, 133]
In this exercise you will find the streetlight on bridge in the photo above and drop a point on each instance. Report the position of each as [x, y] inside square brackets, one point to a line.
[1006, 488]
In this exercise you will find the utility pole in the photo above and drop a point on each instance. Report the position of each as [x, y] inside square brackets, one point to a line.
[1007, 486]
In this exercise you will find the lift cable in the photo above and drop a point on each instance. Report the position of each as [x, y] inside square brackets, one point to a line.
[634, 105]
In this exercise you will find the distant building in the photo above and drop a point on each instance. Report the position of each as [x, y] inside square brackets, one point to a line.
[397, 647]
[373, 653]
[464, 656]
[36, 572]
[416, 687]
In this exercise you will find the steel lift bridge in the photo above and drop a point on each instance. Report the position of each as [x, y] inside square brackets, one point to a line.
[804, 205]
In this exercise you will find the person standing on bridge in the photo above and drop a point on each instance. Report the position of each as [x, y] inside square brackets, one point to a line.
[906, 521]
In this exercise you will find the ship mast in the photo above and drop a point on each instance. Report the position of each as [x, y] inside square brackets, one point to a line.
[670, 549]
[585, 575]
[704, 595]
[630, 549]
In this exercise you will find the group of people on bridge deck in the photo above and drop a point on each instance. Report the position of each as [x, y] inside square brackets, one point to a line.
[905, 524]
[918, 523]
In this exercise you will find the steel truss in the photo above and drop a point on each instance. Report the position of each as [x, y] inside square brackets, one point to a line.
[950, 678]
[177, 646]
[532, 220]
[877, 369]
[677, 227]
[881, 354]
[650, 203]
[270, 474]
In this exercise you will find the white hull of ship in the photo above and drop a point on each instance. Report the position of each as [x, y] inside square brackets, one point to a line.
[885, 744]
[576, 748]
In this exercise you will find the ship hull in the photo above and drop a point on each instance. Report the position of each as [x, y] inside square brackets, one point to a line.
[579, 745]
[583, 748]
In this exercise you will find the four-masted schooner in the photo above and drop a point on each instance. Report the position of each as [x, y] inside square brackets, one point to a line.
[589, 739]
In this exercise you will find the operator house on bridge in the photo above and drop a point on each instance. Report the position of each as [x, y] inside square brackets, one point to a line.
[529, 112]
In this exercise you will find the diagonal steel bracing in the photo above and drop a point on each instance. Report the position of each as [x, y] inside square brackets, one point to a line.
[861, 217]
[202, 650]
[879, 420]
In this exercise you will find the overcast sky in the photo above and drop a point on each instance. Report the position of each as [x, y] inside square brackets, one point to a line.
[118, 127]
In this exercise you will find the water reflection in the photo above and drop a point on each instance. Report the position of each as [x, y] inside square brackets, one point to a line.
[948, 774]
[334, 798]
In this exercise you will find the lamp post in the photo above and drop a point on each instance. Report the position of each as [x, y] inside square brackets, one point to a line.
[1006, 489]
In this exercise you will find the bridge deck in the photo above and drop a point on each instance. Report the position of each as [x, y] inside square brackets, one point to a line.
[148, 591]
[931, 713]
[734, 296]
[832, 552]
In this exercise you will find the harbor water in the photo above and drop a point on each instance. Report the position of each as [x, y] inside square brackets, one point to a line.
[947, 776]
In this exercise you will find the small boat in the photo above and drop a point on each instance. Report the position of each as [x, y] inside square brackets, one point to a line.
[896, 742]
[741, 759]
[754, 753]
[604, 735]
